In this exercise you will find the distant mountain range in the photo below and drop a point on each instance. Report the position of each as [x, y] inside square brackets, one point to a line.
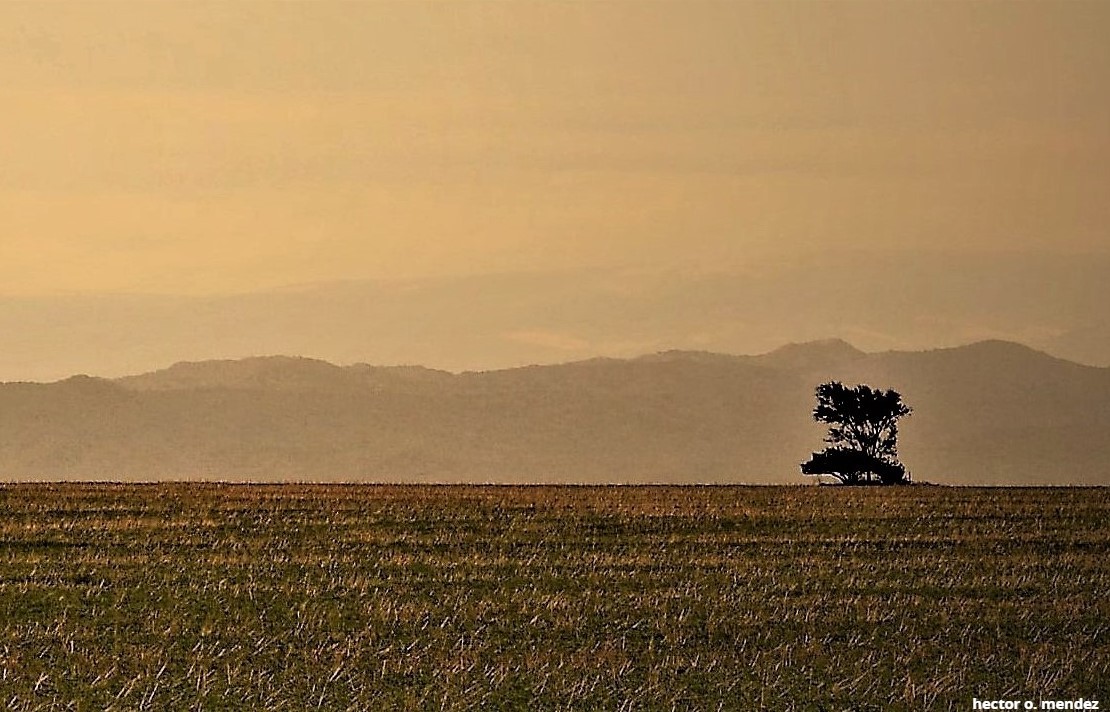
[992, 412]
[879, 301]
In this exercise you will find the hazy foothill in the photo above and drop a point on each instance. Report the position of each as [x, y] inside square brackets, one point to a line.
[986, 413]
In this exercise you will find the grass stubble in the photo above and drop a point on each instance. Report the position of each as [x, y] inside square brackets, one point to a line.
[356, 597]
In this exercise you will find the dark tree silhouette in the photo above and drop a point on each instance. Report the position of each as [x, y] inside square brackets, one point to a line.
[863, 434]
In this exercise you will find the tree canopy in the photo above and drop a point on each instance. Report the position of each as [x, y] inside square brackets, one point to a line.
[863, 434]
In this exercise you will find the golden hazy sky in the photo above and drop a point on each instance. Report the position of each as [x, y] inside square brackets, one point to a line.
[189, 147]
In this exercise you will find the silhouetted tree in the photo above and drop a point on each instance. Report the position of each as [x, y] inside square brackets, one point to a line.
[863, 434]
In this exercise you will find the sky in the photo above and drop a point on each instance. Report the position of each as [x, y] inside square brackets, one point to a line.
[225, 147]
[155, 150]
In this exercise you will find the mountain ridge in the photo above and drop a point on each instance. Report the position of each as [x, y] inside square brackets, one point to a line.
[985, 413]
[800, 351]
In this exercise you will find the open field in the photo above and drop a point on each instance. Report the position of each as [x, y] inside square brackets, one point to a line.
[190, 596]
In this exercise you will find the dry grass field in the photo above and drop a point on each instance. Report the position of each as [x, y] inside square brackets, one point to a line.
[301, 597]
